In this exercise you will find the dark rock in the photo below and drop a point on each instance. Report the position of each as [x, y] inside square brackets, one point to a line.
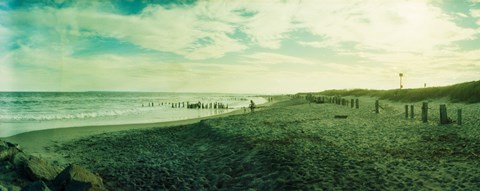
[76, 178]
[38, 169]
[13, 145]
[7, 150]
[19, 160]
[36, 186]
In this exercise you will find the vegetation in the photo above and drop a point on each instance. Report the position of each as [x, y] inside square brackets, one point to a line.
[468, 92]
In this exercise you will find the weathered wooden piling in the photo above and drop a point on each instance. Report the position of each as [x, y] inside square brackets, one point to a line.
[412, 114]
[352, 102]
[425, 112]
[459, 116]
[357, 103]
[443, 114]
[406, 111]
[377, 104]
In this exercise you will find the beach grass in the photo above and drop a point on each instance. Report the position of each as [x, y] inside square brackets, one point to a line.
[291, 145]
[468, 92]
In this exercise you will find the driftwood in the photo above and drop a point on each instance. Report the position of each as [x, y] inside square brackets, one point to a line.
[340, 116]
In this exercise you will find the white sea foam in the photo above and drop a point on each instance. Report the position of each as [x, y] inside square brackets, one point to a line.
[26, 111]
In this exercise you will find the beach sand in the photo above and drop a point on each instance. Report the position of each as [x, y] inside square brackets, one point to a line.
[39, 142]
[290, 145]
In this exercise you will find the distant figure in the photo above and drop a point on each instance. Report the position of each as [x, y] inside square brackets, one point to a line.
[252, 106]
[244, 110]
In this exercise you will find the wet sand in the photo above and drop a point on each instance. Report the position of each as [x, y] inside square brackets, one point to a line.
[292, 145]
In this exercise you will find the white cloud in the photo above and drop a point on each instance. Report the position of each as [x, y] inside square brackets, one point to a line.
[221, 45]
[475, 13]
[315, 44]
[388, 25]
[273, 20]
[462, 15]
[397, 26]
[156, 28]
[272, 58]
[388, 36]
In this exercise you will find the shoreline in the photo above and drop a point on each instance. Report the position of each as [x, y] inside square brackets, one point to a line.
[39, 142]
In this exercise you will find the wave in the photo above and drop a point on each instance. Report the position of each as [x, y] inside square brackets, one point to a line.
[62, 115]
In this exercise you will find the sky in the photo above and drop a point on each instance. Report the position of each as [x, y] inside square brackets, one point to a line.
[263, 46]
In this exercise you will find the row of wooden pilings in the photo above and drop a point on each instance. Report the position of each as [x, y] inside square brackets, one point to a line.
[353, 103]
[188, 105]
[409, 109]
[444, 119]
[410, 113]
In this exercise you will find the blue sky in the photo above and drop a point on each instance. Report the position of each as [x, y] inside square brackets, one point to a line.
[236, 46]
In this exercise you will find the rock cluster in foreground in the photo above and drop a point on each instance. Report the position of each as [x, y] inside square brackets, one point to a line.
[21, 171]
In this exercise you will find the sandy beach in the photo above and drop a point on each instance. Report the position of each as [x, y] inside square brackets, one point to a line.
[290, 145]
[39, 142]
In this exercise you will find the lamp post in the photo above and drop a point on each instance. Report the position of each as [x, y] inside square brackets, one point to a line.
[401, 76]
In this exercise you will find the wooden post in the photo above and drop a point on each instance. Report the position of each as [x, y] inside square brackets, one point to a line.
[459, 116]
[443, 114]
[352, 101]
[406, 111]
[425, 112]
[376, 106]
[411, 112]
[357, 104]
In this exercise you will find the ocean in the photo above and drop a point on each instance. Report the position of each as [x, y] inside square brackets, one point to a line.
[29, 111]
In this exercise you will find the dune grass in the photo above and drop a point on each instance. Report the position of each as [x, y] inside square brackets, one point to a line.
[468, 92]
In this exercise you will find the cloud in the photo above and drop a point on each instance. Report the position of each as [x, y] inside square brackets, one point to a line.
[475, 13]
[273, 20]
[462, 15]
[398, 26]
[387, 25]
[156, 28]
[315, 44]
[209, 42]
[272, 58]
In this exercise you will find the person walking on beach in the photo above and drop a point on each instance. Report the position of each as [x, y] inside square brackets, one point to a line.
[252, 106]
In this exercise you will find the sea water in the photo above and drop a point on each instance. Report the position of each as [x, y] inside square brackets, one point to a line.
[28, 111]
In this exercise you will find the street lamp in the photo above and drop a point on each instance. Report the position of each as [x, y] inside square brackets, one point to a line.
[401, 76]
